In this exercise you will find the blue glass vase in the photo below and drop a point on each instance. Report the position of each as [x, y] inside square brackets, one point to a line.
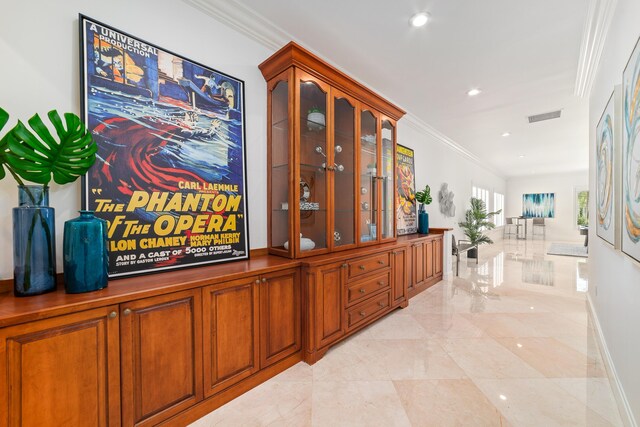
[86, 256]
[34, 245]
[423, 221]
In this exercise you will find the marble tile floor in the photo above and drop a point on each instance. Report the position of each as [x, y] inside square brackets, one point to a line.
[507, 343]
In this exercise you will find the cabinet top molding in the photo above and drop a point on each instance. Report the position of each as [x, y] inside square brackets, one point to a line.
[294, 55]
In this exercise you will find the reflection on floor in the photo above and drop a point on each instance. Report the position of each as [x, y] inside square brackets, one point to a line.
[509, 342]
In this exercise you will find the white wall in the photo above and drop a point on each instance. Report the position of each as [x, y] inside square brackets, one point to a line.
[563, 226]
[614, 278]
[39, 50]
[437, 163]
[40, 71]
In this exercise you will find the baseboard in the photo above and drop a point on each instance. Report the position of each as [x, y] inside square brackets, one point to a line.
[616, 386]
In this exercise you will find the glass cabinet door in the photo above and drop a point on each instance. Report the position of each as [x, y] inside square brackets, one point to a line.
[313, 218]
[344, 168]
[387, 175]
[368, 181]
[279, 162]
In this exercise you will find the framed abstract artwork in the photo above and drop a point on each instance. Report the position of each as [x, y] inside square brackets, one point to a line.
[631, 156]
[406, 220]
[605, 173]
[170, 175]
[538, 205]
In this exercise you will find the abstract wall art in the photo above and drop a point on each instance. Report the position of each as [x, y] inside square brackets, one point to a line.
[538, 205]
[605, 176]
[631, 156]
[445, 198]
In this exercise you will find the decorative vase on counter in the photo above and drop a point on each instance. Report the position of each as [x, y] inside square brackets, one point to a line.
[86, 256]
[34, 246]
[423, 221]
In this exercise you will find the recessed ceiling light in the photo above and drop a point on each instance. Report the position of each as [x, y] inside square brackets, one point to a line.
[419, 19]
[521, 156]
[474, 92]
[506, 134]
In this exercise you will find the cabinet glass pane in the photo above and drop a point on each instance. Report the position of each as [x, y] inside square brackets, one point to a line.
[344, 177]
[279, 164]
[313, 163]
[388, 180]
[368, 177]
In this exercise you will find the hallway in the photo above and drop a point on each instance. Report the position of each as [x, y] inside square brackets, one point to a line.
[509, 342]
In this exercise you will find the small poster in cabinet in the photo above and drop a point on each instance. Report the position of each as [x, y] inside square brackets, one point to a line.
[170, 177]
[406, 194]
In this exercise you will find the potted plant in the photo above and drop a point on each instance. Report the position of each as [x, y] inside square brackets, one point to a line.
[36, 155]
[476, 220]
[424, 198]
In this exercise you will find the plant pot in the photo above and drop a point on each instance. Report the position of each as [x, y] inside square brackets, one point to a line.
[472, 253]
[423, 221]
[34, 246]
[86, 255]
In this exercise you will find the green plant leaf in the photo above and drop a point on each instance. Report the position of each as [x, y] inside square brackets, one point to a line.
[4, 118]
[37, 156]
[424, 196]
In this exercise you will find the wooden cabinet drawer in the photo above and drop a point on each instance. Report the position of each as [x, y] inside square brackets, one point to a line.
[362, 266]
[365, 288]
[362, 312]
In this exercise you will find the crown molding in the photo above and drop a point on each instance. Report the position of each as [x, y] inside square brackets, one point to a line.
[596, 27]
[244, 20]
[248, 22]
[428, 130]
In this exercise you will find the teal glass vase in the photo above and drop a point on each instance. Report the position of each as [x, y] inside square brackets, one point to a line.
[423, 221]
[86, 256]
[34, 245]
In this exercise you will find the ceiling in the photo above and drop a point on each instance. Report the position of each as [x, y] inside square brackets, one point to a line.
[522, 55]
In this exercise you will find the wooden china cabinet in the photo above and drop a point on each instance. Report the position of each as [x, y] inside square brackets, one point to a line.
[331, 161]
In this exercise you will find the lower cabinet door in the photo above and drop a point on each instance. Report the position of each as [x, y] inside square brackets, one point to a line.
[418, 265]
[61, 371]
[329, 304]
[400, 282]
[280, 316]
[161, 347]
[230, 319]
[428, 260]
[437, 256]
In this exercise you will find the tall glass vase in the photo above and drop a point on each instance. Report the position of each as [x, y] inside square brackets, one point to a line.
[86, 256]
[34, 246]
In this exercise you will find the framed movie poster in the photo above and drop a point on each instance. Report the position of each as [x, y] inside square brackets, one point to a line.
[406, 219]
[170, 175]
[631, 156]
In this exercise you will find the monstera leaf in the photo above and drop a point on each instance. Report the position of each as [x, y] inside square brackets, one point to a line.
[37, 155]
[4, 118]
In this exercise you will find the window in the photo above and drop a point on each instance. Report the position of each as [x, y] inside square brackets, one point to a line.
[482, 194]
[582, 207]
[498, 205]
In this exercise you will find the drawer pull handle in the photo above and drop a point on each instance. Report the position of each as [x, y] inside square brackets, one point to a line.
[362, 313]
[113, 315]
[381, 283]
[362, 291]
[257, 281]
[362, 267]
[127, 311]
[381, 262]
[264, 280]
[381, 304]
[345, 265]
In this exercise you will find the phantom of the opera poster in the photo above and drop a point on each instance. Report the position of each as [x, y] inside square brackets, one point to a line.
[170, 171]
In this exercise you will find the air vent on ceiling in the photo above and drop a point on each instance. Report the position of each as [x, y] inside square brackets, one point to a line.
[545, 116]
